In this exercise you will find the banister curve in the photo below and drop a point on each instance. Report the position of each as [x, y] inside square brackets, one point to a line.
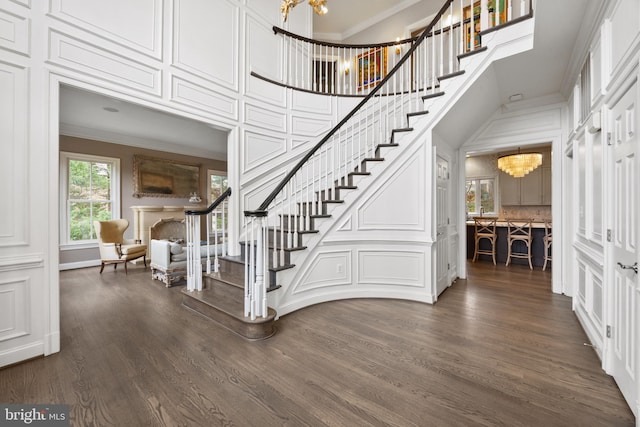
[271, 197]
[213, 205]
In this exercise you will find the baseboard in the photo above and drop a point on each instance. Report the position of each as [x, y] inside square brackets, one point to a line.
[52, 343]
[20, 354]
[80, 264]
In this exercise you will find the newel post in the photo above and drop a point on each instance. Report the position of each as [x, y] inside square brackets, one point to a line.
[255, 282]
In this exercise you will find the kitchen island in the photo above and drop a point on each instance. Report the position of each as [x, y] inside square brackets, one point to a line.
[502, 249]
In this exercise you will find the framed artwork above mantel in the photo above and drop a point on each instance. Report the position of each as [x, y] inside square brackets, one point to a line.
[153, 177]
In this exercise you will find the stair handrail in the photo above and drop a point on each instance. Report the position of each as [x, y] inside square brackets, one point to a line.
[278, 30]
[194, 241]
[263, 207]
[302, 200]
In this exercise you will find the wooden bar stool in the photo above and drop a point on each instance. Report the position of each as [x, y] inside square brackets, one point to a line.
[548, 240]
[519, 231]
[485, 229]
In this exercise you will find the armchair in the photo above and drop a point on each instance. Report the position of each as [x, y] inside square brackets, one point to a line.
[114, 248]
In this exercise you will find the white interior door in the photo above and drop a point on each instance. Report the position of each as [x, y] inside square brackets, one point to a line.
[624, 307]
[442, 219]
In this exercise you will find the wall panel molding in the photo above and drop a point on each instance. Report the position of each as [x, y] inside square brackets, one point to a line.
[15, 308]
[15, 33]
[391, 267]
[310, 127]
[98, 62]
[261, 117]
[259, 148]
[206, 100]
[14, 168]
[25, 262]
[327, 269]
[312, 103]
[140, 29]
[204, 32]
[390, 208]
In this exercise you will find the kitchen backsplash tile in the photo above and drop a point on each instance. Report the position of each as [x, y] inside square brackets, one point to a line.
[537, 213]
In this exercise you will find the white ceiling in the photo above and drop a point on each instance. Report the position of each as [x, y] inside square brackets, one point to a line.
[346, 16]
[82, 115]
[539, 72]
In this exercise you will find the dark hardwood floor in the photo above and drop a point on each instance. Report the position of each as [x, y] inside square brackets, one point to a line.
[496, 349]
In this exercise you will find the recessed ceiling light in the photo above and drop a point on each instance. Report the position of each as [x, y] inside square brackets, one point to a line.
[110, 109]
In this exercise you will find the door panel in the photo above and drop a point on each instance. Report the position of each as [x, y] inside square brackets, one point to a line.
[442, 239]
[624, 301]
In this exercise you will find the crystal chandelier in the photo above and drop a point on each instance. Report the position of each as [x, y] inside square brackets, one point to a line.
[520, 164]
[319, 7]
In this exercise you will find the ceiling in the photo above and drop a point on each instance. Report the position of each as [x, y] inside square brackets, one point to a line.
[83, 114]
[345, 15]
[558, 24]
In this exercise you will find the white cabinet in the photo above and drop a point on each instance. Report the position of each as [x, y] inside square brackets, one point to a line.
[509, 190]
[533, 189]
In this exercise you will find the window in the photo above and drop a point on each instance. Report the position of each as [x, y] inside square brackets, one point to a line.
[218, 184]
[481, 196]
[90, 191]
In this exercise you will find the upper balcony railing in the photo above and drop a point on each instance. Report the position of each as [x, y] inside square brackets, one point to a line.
[355, 69]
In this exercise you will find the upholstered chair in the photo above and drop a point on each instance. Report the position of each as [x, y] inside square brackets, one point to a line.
[114, 248]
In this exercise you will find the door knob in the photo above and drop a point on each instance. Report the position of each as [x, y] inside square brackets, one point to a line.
[633, 267]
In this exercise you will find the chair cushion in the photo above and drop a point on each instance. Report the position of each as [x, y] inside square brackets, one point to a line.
[133, 249]
[176, 248]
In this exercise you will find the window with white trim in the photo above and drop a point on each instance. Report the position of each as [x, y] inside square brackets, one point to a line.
[89, 191]
[481, 196]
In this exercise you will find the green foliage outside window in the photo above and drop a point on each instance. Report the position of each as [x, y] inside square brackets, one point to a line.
[89, 197]
[480, 194]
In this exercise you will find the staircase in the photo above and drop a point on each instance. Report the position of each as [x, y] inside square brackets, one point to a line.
[296, 214]
[222, 300]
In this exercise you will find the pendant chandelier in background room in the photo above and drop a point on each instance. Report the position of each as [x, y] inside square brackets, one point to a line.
[319, 7]
[519, 164]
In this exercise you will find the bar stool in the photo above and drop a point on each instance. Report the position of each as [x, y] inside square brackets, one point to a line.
[548, 240]
[519, 231]
[485, 229]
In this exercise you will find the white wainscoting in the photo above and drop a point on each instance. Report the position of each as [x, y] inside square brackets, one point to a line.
[95, 61]
[15, 308]
[259, 149]
[399, 203]
[13, 162]
[264, 118]
[209, 102]
[309, 127]
[312, 103]
[387, 267]
[205, 40]
[139, 29]
[328, 268]
[14, 33]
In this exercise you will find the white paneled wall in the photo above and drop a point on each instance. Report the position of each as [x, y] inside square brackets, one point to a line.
[191, 58]
[605, 312]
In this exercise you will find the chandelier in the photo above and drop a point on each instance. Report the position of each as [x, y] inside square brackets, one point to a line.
[520, 164]
[319, 7]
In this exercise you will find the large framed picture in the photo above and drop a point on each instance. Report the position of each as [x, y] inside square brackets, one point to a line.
[164, 178]
[371, 67]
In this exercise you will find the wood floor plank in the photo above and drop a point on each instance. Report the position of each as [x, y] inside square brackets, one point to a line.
[496, 349]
